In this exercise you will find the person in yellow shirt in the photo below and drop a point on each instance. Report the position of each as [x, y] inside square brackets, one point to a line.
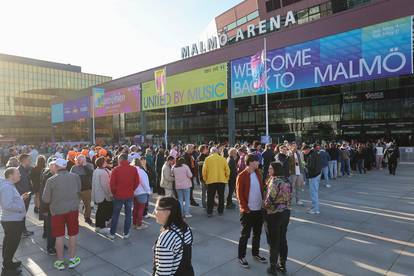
[216, 173]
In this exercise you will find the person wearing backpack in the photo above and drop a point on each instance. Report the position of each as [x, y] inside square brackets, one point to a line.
[314, 168]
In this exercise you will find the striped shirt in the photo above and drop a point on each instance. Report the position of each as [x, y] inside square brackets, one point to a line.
[169, 250]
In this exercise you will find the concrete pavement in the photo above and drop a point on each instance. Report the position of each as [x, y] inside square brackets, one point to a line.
[366, 227]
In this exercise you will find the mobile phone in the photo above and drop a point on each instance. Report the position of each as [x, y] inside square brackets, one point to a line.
[29, 193]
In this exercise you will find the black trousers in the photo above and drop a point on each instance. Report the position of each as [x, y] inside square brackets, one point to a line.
[12, 234]
[232, 186]
[26, 204]
[392, 166]
[48, 230]
[276, 227]
[103, 214]
[250, 221]
[211, 193]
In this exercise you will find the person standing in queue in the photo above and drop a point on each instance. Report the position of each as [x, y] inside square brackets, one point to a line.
[173, 248]
[216, 173]
[62, 192]
[277, 204]
[13, 213]
[249, 189]
[24, 186]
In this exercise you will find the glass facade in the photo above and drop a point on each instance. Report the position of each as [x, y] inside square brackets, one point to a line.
[361, 110]
[26, 91]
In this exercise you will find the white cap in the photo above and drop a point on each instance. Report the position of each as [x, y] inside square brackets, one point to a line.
[60, 162]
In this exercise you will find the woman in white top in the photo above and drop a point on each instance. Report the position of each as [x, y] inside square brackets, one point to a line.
[141, 195]
[101, 195]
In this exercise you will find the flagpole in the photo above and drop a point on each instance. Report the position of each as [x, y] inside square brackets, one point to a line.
[265, 85]
[166, 111]
[93, 117]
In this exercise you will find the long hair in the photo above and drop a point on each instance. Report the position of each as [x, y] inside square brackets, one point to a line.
[41, 162]
[175, 217]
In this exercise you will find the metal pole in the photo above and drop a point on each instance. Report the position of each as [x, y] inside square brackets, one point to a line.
[266, 102]
[93, 117]
[166, 111]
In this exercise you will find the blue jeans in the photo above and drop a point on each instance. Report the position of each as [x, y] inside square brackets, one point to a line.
[184, 195]
[333, 169]
[314, 192]
[118, 203]
[345, 166]
[325, 172]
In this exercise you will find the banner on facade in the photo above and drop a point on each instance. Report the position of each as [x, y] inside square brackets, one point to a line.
[57, 113]
[123, 100]
[206, 84]
[377, 51]
[76, 109]
[160, 79]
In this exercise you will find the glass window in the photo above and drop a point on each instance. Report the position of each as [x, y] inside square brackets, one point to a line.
[241, 21]
[302, 16]
[253, 15]
[314, 9]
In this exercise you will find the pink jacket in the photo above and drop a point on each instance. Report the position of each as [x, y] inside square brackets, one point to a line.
[182, 176]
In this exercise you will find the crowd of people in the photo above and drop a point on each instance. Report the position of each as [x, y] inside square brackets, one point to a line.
[111, 178]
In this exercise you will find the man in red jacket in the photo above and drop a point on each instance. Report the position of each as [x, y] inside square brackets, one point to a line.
[249, 189]
[124, 180]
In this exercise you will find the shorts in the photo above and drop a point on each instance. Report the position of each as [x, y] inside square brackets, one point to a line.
[68, 220]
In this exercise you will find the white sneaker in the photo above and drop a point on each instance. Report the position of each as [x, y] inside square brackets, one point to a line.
[141, 227]
[147, 216]
[110, 236]
[188, 216]
[313, 212]
[299, 203]
[328, 185]
[125, 237]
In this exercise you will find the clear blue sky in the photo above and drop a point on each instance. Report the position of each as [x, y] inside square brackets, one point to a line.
[109, 37]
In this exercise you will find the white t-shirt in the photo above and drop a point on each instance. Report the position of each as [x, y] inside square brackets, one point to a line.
[143, 187]
[255, 195]
[297, 168]
[380, 150]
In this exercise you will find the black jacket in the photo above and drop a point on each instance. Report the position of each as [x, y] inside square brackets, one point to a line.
[200, 162]
[282, 158]
[233, 170]
[333, 153]
[313, 164]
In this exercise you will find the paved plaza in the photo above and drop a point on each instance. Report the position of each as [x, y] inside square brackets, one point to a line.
[366, 227]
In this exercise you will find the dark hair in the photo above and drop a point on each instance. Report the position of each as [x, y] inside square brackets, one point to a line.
[277, 168]
[9, 171]
[202, 148]
[180, 162]
[305, 147]
[41, 162]
[122, 157]
[175, 217]
[12, 162]
[251, 158]
[100, 161]
[256, 144]
[23, 157]
[170, 157]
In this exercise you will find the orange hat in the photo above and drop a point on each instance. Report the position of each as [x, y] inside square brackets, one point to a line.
[85, 152]
[71, 155]
[102, 152]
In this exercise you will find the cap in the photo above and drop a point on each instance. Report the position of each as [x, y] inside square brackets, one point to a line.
[60, 162]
